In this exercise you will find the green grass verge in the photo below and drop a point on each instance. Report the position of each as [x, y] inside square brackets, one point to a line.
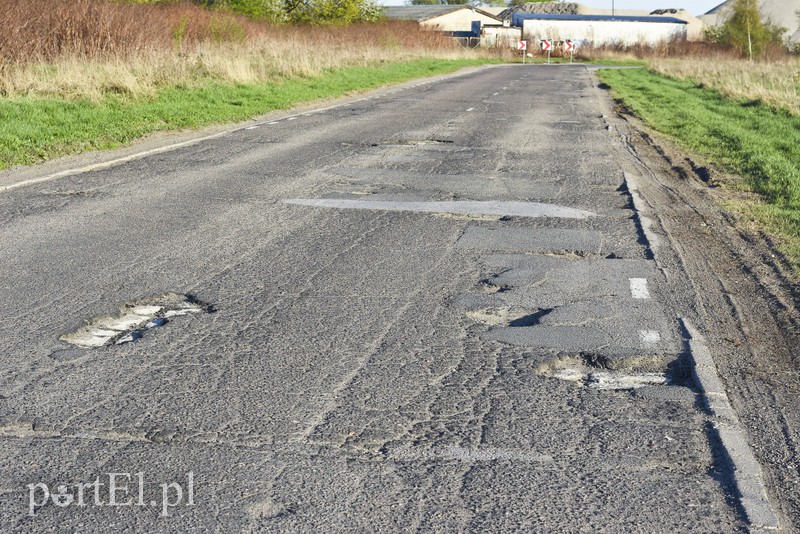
[750, 139]
[34, 130]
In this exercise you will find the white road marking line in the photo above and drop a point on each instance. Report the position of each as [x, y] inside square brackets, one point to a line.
[470, 109]
[111, 163]
[639, 288]
[745, 469]
[495, 94]
[464, 207]
[649, 338]
[291, 118]
[252, 128]
[167, 148]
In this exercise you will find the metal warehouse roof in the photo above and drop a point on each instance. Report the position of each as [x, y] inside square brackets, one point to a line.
[519, 17]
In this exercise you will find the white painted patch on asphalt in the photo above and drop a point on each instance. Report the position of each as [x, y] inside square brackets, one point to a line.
[466, 207]
[639, 288]
[291, 118]
[609, 380]
[606, 380]
[470, 109]
[146, 310]
[132, 320]
[569, 375]
[129, 321]
[274, 122]
[649, 338]
[252, 128]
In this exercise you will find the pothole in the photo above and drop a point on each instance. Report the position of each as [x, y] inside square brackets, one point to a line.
[508, 316]
[488, 286]
[597, 372]
[68, 193]
[470, 217]
[569, 254]
[134, 319]
[415, 142]
[497, 316]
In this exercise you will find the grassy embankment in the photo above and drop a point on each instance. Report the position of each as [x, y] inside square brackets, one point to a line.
[97, 74]
[743, 117]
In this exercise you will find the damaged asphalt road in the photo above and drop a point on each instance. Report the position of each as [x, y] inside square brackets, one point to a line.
[435, 307]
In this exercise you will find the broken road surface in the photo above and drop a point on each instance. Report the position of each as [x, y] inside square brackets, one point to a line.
[444, 306]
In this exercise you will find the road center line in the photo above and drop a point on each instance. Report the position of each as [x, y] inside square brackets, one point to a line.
[639, 288]
[649, 338]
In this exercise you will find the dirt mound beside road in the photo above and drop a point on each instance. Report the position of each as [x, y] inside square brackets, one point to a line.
[548, 8]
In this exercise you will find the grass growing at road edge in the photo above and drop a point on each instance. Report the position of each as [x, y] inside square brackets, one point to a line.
[35, 129]
[748, 138]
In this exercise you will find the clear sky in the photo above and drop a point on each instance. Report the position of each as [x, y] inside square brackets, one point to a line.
[695, 7]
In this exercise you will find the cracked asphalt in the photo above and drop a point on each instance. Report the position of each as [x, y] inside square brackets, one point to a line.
[362, 369]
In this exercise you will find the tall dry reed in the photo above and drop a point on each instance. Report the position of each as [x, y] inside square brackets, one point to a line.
[90, 48]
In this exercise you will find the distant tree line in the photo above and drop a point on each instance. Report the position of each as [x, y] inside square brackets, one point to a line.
[295, 11]
[474, 2]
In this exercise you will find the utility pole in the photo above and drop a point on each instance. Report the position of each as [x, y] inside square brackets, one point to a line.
[612, 8]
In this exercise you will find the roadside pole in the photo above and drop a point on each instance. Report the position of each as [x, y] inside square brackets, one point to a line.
[547, 45]
[569, 46]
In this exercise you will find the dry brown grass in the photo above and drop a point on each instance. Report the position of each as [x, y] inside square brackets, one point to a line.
[774, 79]
[776, 83]
[90, 48]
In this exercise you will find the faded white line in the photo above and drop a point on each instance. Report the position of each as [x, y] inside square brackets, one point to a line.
[640, 207]
[745, 469]
[649, 338]
[500, 209]
[639, 288]
[291, 118]
[470, 109]
[167, 148]
[111, 163]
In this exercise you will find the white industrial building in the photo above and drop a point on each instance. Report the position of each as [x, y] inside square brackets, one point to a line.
[455, 18]
[600, 30]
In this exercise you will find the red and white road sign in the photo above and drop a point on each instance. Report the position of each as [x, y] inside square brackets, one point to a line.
[547, 45]
[522, 45]
[569, 46]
